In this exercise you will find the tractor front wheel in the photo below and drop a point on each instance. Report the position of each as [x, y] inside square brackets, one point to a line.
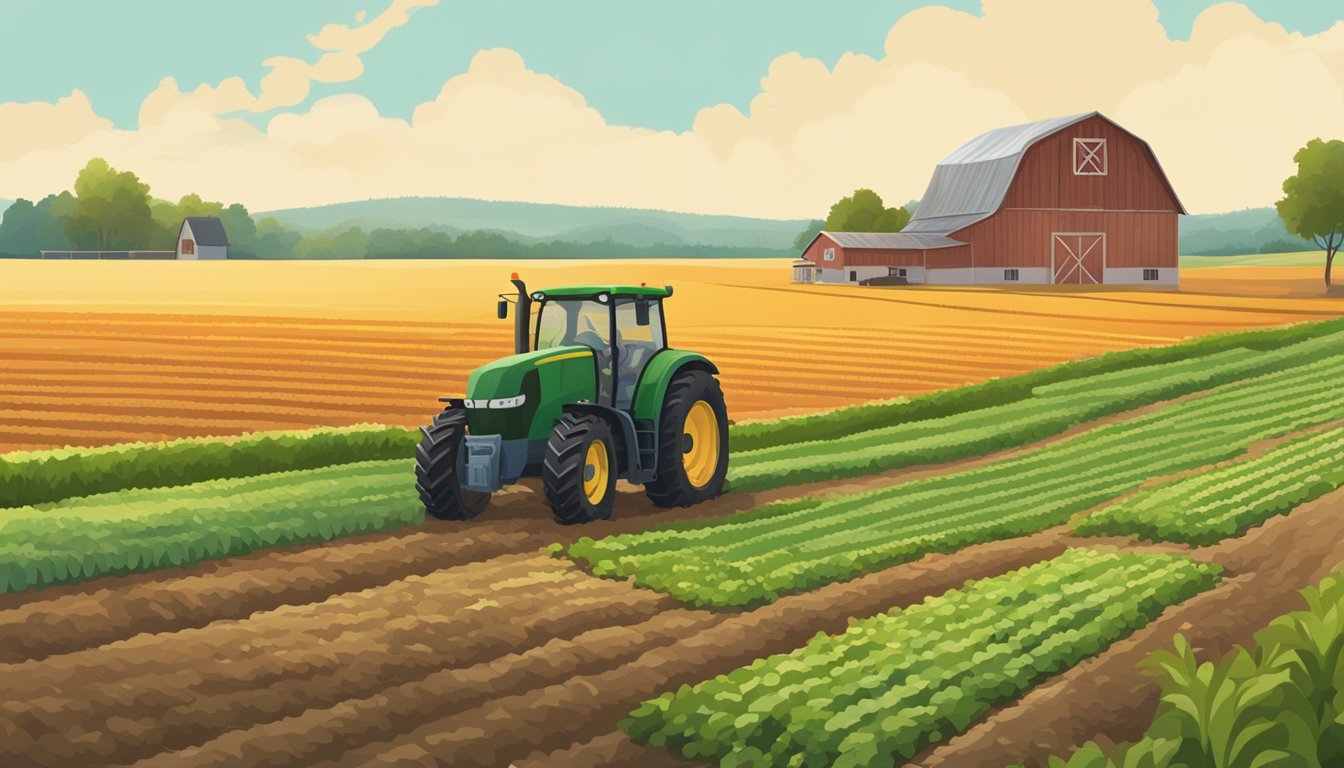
[436, 469]
[692, 442]
[579, 472]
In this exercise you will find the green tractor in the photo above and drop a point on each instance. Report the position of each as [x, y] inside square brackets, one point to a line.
[592, 393]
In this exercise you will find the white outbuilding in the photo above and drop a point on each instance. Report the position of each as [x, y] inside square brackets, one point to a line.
[202, 238]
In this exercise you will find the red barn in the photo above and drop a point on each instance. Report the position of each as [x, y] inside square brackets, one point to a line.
[1072, 201]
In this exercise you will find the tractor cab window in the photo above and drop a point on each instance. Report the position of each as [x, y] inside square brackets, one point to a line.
[635, 344]
[579, 322]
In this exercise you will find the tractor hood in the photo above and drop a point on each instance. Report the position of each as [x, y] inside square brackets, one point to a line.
[505, 377]
[523, 396]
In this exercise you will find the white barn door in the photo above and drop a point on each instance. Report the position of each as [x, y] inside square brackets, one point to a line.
[1077, 258]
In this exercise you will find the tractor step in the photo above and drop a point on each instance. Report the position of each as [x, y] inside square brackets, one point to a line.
[646, 438]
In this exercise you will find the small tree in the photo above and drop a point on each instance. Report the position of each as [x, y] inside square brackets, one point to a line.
[1313, 205]
[864, 211]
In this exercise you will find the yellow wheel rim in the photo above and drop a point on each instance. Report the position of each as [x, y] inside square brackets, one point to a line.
[595, 472]
[700, 444]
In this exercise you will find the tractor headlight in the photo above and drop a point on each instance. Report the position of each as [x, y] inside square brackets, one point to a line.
[603, 298]
[498, 403]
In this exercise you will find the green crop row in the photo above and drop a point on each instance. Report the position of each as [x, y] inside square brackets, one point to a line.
[893, 684]
[842, 422]
[140, 530]
[1052, 409]
[753, 557]
[37, 477]
[1224, 502]
[1281, 704]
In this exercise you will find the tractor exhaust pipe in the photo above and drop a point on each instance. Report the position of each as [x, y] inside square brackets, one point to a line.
[522, 316]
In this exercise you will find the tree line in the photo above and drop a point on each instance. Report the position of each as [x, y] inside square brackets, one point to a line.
[112, 210]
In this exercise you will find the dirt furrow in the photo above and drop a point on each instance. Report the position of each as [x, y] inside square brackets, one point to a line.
[35, 625]
[328, 733]
[189, 686]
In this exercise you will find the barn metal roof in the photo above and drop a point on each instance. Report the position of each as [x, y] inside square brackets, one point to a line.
[207, 229]
[969, 184]
[891, 240]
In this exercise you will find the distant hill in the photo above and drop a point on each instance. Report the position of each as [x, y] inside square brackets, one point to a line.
[540, 221]
[1254, 230]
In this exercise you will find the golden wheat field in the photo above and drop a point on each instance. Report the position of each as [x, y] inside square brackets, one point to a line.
[102, 352]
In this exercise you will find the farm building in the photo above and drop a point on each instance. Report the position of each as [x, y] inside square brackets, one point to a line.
[1074, 200]
[201, 238]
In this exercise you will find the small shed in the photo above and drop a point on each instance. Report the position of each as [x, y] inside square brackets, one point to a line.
[202, 238]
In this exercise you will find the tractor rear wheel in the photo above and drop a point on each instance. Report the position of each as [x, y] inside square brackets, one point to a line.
[692, 442]
[436, 469]
[579, 472]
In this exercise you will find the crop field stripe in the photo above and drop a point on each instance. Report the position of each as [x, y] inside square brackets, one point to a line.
[969, 433]
[280, 363]
[132, 531]
[197, 409]
[754, 557]
[315, 402]
[45, 476]
[896, 682]
[1213, 505]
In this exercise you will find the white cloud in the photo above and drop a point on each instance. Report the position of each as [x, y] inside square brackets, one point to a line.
[1225, 111]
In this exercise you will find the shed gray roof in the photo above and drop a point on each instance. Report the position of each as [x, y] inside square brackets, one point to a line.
[207, 229]
[891, 240]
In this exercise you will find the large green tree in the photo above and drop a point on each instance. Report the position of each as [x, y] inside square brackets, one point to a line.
[1313, 203]
[111, 209]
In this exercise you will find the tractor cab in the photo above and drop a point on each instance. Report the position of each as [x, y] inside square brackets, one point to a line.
[592, 393]
[623, 325]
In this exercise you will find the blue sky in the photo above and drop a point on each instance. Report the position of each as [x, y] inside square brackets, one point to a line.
[616, 52]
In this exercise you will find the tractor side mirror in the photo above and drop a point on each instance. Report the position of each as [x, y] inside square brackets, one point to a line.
[641, 312]
[502, 309]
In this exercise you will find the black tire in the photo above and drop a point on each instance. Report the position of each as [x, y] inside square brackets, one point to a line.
[563, 473]
[436, 476]
[671, 487]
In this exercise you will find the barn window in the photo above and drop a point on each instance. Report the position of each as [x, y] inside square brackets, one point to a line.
[1010, 275]
[188, 247]
[895, 271]
[853, 276]
[1150, 274]
[1089, 157]
[830, 254]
